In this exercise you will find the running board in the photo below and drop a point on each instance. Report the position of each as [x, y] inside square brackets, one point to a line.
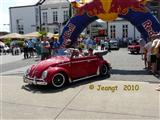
[83, 78]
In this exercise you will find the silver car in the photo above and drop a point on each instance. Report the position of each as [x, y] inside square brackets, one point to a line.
[114, 44]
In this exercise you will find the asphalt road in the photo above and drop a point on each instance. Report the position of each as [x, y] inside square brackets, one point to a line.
[88, 99]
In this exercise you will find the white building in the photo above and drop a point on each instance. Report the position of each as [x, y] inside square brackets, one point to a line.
[118, 28]
[23, 19]
[51, 15]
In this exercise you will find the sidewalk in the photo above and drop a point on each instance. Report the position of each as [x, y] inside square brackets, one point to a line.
[80, 100]
[10, 58]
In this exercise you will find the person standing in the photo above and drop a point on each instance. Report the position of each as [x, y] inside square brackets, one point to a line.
[25, 49]
[148, 48]
[102, 44]
[45, 46]
[142, 43]
[38, 47]
[155, 46]
[13, 46]
[54, 47]
[30, 48]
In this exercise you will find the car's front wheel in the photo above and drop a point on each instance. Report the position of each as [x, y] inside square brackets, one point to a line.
[104, 71]
[58, 80]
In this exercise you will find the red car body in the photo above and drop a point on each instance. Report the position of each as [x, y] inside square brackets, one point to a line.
[60, 69]
[134, 48]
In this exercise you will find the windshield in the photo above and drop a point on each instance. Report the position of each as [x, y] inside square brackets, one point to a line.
[68, 52]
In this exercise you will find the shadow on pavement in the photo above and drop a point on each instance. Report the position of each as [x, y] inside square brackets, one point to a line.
[129, 72]
[51, 89]
[134, 53]
[136, 72]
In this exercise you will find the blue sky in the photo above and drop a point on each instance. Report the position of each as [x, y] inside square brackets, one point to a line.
[4, 10]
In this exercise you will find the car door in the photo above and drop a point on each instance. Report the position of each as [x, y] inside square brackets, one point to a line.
[92, 65]
[79, 68]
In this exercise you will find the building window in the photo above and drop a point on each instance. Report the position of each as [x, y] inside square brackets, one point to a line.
[55, 16]
[20, 27]
[113, 31]
[65, 15]
[125, 31]
[37, 16]
[45, 17]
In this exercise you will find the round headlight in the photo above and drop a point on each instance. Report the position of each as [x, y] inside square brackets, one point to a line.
[27, 71]
[44, 74]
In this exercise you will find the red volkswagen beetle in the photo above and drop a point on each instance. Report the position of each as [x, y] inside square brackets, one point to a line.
[68, 68]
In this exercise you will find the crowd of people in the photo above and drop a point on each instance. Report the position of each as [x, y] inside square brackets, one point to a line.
[150, 52]
[45, 47]
[12, 48]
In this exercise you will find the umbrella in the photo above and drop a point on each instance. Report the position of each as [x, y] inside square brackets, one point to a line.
[32, 35]
[50, 35]
[12, 35]
[56, 36]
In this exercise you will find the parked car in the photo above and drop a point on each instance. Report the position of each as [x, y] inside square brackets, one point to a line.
[134, 47]
[58, 70]
[114, 44]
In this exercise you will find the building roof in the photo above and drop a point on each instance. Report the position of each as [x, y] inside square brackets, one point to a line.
[46, 2]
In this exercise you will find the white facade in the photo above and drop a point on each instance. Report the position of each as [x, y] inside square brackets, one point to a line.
[132, 31]
[122, 29]
[53, 14]
[23, 19]
[26, 19]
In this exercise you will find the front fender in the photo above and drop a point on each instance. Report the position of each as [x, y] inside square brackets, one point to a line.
[53, 70]
[102, 62]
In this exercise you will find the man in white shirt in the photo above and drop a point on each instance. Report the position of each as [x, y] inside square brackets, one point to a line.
[148, 48]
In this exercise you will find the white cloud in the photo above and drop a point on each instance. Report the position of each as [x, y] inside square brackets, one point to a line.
[25, 2]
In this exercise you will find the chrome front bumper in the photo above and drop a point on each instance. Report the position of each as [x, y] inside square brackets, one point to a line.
[34, 81]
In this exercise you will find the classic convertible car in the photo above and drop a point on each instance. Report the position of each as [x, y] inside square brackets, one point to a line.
[71, 67]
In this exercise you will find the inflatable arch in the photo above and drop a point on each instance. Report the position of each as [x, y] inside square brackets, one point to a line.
[134, 11]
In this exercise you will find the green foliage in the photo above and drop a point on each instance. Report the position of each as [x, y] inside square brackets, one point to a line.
[43, 33]
[20, 43]
[7, 41]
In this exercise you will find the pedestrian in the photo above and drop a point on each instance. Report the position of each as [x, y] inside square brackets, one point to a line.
[155, 53]
[89, 43]
[148, 48]
[55, 46]
[30, 48]
[25, 49]
[158, 61]
[155, 44]
[102, 44]
[142, 43]
[38, 47]
[45, 46]
[13, 46]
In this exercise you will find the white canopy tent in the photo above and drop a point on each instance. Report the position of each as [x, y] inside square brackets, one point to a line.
[32, 35]
[12, 35]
